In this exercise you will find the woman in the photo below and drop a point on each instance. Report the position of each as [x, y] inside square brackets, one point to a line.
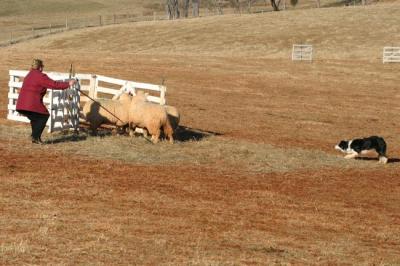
[30, 99]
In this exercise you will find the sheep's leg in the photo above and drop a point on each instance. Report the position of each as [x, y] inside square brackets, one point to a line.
[155, 135]
[145, 133]
[154, 139]
[132, 127]
[169, 132]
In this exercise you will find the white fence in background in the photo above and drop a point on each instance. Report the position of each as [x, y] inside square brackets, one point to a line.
[391, 54]
[302, 52]
[64, 105]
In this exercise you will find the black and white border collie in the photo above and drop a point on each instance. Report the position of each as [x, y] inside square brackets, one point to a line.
[355, 147]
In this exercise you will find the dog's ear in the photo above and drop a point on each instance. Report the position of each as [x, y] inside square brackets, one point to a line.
[343, 144]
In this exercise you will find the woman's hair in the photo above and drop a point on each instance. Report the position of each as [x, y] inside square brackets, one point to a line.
[37, 64]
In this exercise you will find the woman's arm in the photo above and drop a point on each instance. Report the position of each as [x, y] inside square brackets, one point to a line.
[55, 85]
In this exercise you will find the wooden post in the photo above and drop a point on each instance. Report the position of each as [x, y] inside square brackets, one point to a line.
[51, 118]
[50, 28]
[11, 38]
[114, 18]
[11, 91]
[66, 23]
[100, 21]
[93, 87]
[162, 95]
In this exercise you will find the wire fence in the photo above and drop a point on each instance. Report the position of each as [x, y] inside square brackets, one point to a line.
[17, 33]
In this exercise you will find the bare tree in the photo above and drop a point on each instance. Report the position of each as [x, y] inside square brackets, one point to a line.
[236, 5]
[218, 5]
[195, 7]
[275, 4]
[172, 7]
[186, 8]
[249, 4]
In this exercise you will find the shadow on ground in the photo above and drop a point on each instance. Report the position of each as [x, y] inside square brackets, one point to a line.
[192, 134]
[182, 134]
[390, 160]
[66, 138]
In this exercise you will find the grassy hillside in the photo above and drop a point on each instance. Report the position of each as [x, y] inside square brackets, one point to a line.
[345, 33]
[48, 7]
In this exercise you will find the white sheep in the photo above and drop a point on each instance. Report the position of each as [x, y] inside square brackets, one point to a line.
[150, 116]
[107, 111]
[172, 111]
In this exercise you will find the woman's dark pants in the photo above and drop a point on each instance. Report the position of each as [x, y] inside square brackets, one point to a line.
[38, 123]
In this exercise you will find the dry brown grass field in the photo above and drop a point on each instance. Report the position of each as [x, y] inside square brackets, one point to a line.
[253, 178]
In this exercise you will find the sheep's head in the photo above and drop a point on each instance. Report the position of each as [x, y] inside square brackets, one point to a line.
[140, 97]
[125, 98]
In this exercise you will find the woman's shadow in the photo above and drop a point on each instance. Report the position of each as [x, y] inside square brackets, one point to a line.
[66, 138]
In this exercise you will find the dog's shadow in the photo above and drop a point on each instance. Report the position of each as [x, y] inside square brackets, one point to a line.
[390, 160]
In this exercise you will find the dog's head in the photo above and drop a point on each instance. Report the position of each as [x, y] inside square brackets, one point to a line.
[342, 146]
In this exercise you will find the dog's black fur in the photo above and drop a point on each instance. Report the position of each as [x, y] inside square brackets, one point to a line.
[355, 147]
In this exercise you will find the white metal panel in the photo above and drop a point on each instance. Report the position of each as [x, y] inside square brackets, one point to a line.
[302, 52]
[391, 54]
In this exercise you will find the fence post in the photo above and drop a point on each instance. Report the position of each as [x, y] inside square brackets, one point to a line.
[66, 23]
[162, 95]
[11, 38]
[114, 18]
[50, 28]
[51, 118]
[93, 86]
[100, 21]
[11, 91]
